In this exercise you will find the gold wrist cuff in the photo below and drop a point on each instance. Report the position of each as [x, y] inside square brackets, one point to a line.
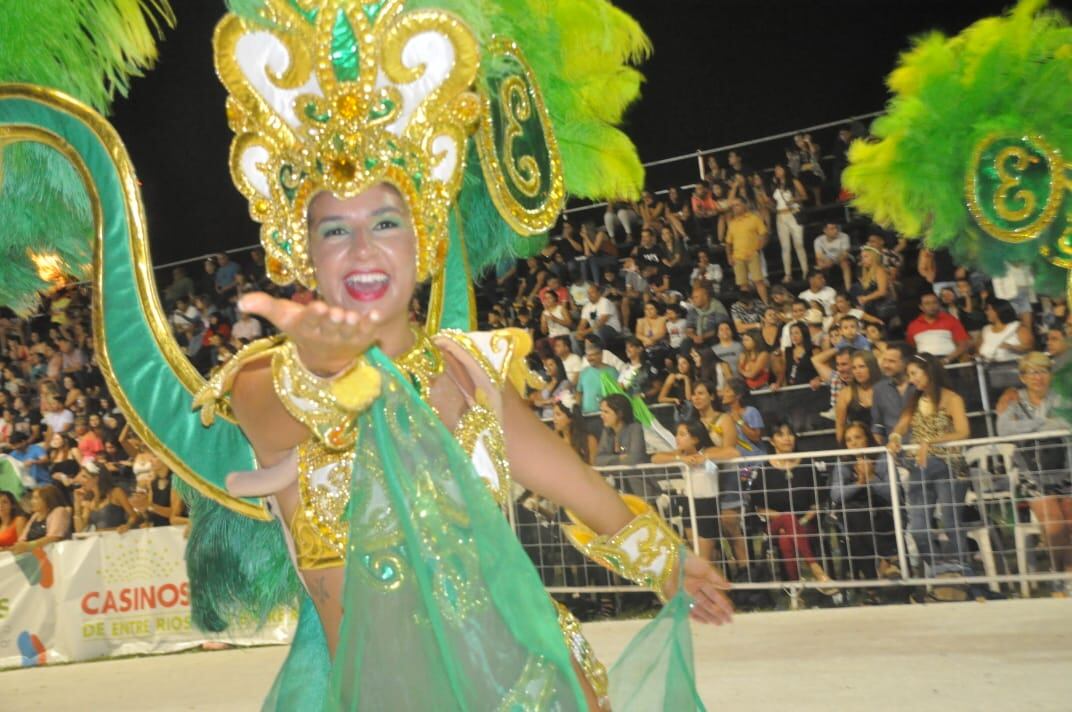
[327, 406]
[645, 551]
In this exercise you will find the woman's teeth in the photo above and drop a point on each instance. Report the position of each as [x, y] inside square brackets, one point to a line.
[366, 286]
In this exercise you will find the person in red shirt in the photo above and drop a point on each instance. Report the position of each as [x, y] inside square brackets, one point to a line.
[89, 442]
[937, 332]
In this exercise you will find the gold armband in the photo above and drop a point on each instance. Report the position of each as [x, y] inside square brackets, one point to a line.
[645, 551]
[327, 406]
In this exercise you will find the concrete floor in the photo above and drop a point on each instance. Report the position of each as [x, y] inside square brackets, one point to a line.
[1008, 656]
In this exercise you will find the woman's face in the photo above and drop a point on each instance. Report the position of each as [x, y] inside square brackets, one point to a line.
[991, 314]
[37, 504]
[667, 235]
[855, 438]
[608, 416]
[867, 258]
[784, 440]
[1037, 380]
[917, 376]
[770, 317]
[860, 371]
[701, 398]
[684, 366]
[796, 335]
[650, 312]
[550, 367]
[364, 251]
[779, 172]
[68, 382]
[685, 441]
[948, 296]
[748, 342]
[724, 332]
[560, 418]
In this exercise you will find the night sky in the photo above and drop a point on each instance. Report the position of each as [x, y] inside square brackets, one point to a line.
[723, 71]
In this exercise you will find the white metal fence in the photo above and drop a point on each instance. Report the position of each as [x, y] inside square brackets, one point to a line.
[863, 518]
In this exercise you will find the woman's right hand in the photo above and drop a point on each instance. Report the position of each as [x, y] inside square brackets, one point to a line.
[328, 338]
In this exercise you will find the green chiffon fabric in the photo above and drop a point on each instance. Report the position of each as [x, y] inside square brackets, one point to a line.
[444, 609]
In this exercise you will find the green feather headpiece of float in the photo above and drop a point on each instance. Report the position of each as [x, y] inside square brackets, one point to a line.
[972, 153]
[89, 49]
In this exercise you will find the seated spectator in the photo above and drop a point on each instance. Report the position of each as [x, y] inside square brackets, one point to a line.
[32, 456]
[814, 320]
[786, 495]
[158, 505]
[747, 312]
[181, 287]
[12, 520]
[937, 333]
[637, 377]
[836, 376]
[796, 367]
[651, 328]
[599, 317]
[705, 212]
[677, 388]
[56, 417]
[568, 423]
[101, 505]
[745, 237]
[1046, 479]
[1057, 347]
[851, 338]
[860, 495]
[246, 328]
[599, 250]
[727, 348]
[89, 442]
[832, 255]
[49, 521]
[649, 257]
[675, 260]
[677, 325]
[818, 292]
[556, 383]
[797, 311]
[621, 221]
[707, 366]
[704, 316]
[590, 381]
[622, 439]
[854, 403]
[652, 211]
[754, 362]
[679, 212]
[874, 291]
[1005, 337]
[706, 271]
[571, 362]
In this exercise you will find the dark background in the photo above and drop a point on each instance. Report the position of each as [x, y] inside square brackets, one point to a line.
[723, 71]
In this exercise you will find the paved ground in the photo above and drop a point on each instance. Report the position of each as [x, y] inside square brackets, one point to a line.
[1008, 656]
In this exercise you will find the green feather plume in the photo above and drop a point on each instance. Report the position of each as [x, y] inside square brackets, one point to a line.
[580, 52]
[89, 49]
[1008, 74]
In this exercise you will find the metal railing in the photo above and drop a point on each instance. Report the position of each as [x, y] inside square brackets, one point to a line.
[907, 526]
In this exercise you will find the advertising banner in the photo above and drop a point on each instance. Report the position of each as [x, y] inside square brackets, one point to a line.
[107, 596]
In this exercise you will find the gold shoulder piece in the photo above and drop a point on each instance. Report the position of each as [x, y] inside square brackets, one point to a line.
[645, 551]
[214, 398]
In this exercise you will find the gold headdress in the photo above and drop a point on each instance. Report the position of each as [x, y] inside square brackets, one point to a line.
[340, 95]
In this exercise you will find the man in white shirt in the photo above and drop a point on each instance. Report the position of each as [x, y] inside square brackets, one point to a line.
[599, 316]
[246, 328]
[819, 293]
[832, 251]
[560, 346]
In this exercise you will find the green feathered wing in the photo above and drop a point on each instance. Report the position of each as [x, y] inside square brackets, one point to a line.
[971, 155]
[67, 189]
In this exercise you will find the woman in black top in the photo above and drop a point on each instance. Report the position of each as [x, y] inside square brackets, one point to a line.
[100, 504]
[159, 506]
[795, 368]
[788, 499]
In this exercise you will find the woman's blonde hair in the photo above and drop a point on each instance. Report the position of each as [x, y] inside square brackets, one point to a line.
[1035, 360]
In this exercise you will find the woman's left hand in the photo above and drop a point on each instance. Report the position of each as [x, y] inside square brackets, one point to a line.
[707, 588]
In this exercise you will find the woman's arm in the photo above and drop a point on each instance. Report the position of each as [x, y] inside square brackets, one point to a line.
[176, 507]
[955, 407]
[664, 392]
[728, 449]
[841, 409]
[118, 496]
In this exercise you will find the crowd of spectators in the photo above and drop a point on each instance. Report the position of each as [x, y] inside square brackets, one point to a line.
[679, 304]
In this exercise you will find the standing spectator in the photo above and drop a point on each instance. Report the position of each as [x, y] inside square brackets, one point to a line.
[225, 279]
[704, 316]
[938, 333]
[969, 308]
[746, 236]
[854, 403]
[832, 253]
[706, 212]
[1033, 409]
[806, 155]
[935, 415]
[761, 201]
[181, 287]
[787, 193]
[49, 521]
[590, 381]
[893, 392]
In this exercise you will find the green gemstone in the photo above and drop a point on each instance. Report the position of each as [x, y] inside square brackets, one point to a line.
[372, 10]
[370, 163]
[382, 109]
[345, 53]
[309, 15]
[310, 112]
